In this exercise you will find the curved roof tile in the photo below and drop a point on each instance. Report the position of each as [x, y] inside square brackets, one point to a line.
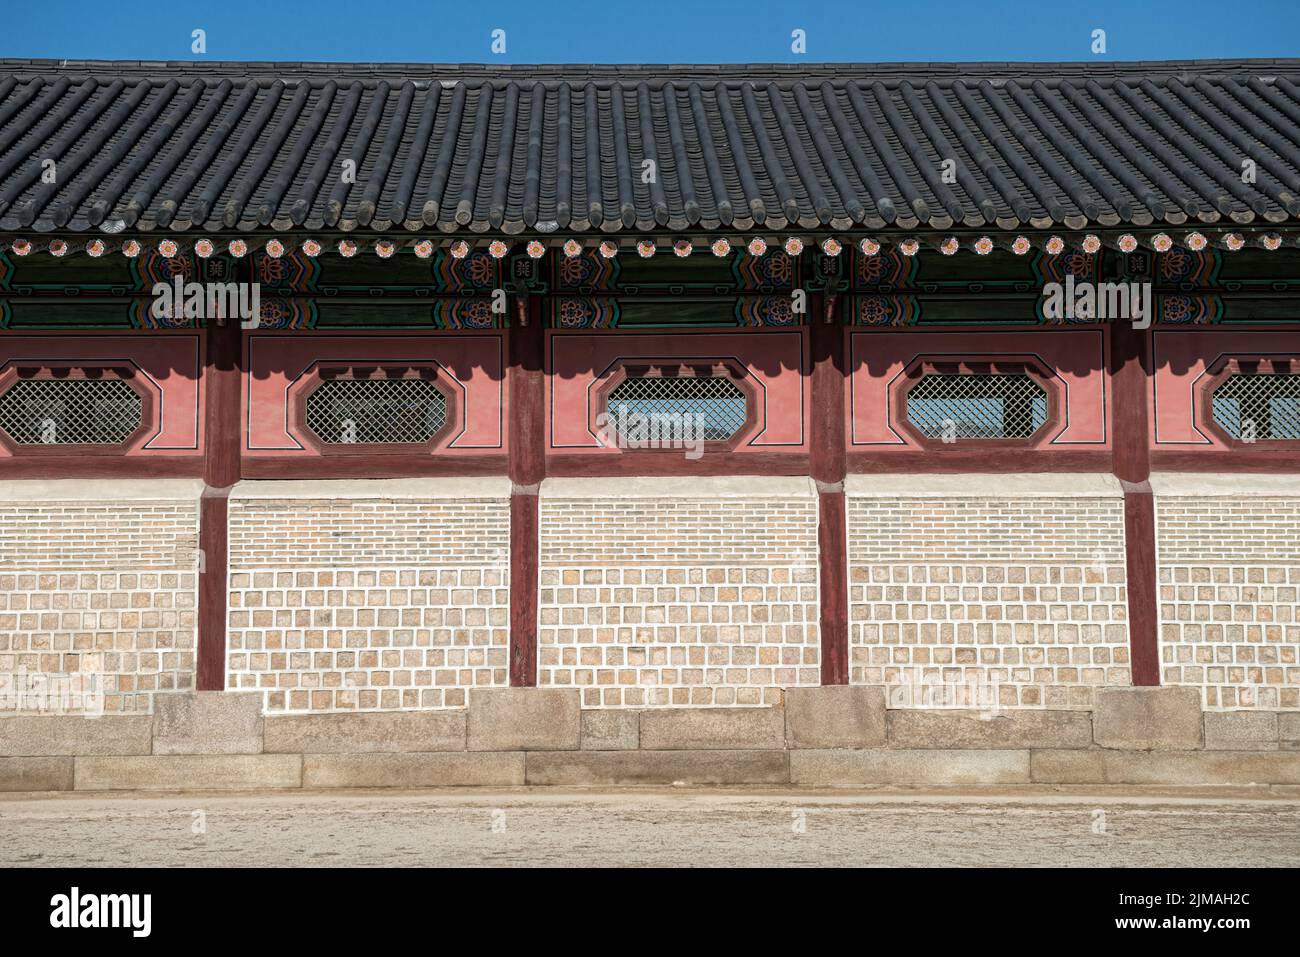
[606, 148]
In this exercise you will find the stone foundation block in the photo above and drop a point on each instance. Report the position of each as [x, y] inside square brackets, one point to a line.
[712, 729]
[1067, 767]
[1147, 719]
[370, 731]
[208, 722]
[973, 729]
[178, 772]
[1237, 768]
[36, 774]
[611, 730]
[923, 768]
[44, 735]
[839, 716]
[1170, 768]
[466, 769]
[618, 768]
[1288, 730]
[524, 719]
[1241, 730]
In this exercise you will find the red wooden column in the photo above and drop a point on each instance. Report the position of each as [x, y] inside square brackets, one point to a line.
[827, 466]
[222, 437]
[527, 465]
[1130, 372]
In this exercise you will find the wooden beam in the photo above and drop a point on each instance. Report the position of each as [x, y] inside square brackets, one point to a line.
[223, 361]
[827, 465]
[1130, 384]
[1140, 575]
[210, 662]
[832, 549]
[827, 426]
[527, 465]
[1130, 379]
[524, 513]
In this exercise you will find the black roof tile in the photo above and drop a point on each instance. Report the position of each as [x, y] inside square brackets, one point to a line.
[484, 148]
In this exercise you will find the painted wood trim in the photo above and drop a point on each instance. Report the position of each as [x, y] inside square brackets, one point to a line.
[654, 463]
[377, 467]
[1225, 460]
[1130, 373]
[524, 562]
[526, 397]
[210, 656]
[952, 460]
[833, 562]
[828, 414]
[222, 375]
[116, 467]
[222, 440]
[1142, 585]
[526, 457]
[828, 463]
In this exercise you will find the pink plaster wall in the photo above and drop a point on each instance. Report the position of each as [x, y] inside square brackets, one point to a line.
[877, 360]
[1182, 358]
[474, 364]
[169, 364]
[775, 359]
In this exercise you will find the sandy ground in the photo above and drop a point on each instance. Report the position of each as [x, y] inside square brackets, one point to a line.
[589, 828]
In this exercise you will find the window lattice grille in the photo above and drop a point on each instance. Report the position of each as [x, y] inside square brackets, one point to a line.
[376, 411]
[677, 408]
[70, 411]
[977, 406]
[1262, 406]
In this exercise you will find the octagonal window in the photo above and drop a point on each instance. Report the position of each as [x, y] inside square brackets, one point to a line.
[977, 406]
[70, 410]
[675, 409]
[1250, 406]
[385, 410]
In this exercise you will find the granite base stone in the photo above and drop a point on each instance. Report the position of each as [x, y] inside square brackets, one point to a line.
[208, 722]
[36, 774]
[374, 731]
[47, 735]
[831, 737]
[1148, 719]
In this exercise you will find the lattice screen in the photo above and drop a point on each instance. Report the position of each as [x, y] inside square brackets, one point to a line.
[376, 411]
[678, 408]
[70, 411]
[1263, 406]
[977, 406]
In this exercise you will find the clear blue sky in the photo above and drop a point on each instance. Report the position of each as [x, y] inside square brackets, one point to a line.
[649, 31]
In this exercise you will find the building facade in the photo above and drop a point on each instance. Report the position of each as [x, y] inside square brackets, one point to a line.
[825, 417]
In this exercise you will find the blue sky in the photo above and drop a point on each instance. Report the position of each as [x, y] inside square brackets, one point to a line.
[650, 31]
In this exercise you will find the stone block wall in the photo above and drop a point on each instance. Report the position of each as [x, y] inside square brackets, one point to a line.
[375, 595]
[979, 590]
[98, 594]
[842, 737]
[1228, 552]
[678, 592]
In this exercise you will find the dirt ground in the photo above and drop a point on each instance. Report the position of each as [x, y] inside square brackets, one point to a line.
[643, 827]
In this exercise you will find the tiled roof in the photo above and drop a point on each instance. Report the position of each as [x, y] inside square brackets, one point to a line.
[542, 149]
